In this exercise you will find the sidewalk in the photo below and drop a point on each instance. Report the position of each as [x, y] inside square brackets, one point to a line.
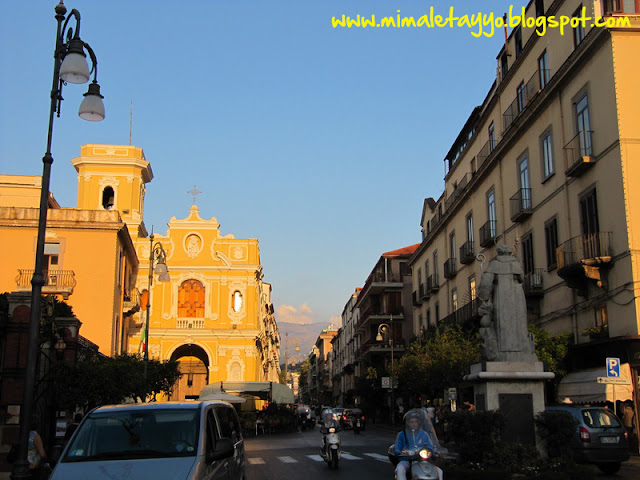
[633, 462]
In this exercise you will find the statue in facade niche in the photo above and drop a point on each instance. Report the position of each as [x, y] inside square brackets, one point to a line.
[503, 323]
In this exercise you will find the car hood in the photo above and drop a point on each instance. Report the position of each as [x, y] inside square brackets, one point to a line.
[174, 468]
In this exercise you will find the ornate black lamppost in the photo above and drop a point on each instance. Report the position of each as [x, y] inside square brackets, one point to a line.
[158, 256]
[384, 328]
[70, 66]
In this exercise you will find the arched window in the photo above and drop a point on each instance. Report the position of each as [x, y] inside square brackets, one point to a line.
[236, 301]
[108, 198]
[191, 299]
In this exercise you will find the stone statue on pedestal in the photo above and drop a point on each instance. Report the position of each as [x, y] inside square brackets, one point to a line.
[503, 324]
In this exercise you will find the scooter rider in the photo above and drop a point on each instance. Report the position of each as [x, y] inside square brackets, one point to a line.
[413, 437]
[328, 421]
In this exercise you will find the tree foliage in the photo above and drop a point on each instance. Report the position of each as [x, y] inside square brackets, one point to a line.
[552, 351]
[112, 380]
[439, 362]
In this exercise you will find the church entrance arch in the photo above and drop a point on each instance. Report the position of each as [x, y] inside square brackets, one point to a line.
[193, 363]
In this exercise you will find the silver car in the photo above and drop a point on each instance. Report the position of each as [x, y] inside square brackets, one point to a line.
[174, 440]
[600, 437]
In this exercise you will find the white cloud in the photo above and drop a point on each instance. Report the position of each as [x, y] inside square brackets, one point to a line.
[290, 314]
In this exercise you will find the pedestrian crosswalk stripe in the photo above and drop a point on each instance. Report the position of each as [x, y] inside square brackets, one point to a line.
[318, 458]
[348, 456]
[287, 460]
[377, 456]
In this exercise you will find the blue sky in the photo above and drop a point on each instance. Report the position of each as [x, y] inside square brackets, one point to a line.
[320, 142]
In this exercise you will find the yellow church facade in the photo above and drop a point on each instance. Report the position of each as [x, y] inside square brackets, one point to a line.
[215, 313]
[213, 310]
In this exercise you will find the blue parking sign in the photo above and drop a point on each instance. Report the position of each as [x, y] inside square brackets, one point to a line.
[613, 367]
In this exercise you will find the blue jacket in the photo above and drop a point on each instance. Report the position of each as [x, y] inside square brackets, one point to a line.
[407, 440]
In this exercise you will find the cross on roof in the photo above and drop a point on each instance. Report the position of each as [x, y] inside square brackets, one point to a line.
[195, 192]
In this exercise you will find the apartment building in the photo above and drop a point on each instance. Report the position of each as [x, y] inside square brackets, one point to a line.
[320, 380]
[548, 164]
[345, 345]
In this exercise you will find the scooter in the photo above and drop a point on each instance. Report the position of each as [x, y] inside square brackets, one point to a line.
[357, 425]
[421, 465]
[331, 452]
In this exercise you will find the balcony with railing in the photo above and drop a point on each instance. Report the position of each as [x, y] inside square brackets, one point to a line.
[432, 283]
[450, 268]
[422, 291]
[463, 315]
[484, 152]
[190, 323]
[56, 282]
[488, 233]
[579, 153]
[521, 205]
[457, 191]
[582, 257]
[371, 347]
[435, 221]
[416, 299]
[467, 253]
[131, 298]
[379, 313]
[380, 281]
[523, 99]
[533, 286]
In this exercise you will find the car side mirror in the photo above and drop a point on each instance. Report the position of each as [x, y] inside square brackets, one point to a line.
[224, 449]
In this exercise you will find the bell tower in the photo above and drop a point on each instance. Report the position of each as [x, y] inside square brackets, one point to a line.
[113, 177]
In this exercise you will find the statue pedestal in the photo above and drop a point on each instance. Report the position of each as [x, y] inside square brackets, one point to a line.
[516, 389]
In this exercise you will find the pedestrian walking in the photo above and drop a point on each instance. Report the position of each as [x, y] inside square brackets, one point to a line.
[36, 455]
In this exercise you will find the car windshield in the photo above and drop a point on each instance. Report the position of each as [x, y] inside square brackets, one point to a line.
[597, 418]
[119, 435]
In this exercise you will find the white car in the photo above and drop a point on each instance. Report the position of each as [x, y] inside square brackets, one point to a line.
[173, 440]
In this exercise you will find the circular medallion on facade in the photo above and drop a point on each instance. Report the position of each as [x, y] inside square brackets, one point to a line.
[192, 245]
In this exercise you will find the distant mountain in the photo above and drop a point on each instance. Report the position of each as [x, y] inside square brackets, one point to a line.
[300, 335]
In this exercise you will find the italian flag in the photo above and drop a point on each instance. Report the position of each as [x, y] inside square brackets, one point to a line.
[143, 341]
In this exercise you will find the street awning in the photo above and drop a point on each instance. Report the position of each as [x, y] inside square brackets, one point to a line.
[582, 386]
[271, 391]
[224, 396]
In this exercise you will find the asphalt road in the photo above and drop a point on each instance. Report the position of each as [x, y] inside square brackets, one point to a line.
[297, 456]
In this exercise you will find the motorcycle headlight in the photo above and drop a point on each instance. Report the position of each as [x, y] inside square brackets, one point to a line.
[425, 454]
[332, 430]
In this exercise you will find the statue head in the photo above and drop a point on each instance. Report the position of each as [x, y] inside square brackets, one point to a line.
[504, 250]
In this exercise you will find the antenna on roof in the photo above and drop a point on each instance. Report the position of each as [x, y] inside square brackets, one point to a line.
[130, 121]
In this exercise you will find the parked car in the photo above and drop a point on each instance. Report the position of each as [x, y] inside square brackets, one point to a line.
[191, 440]
[600, 436]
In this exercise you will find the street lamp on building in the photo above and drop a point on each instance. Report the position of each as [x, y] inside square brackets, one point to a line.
[385, 328]
[70, 66]
[157, 256]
